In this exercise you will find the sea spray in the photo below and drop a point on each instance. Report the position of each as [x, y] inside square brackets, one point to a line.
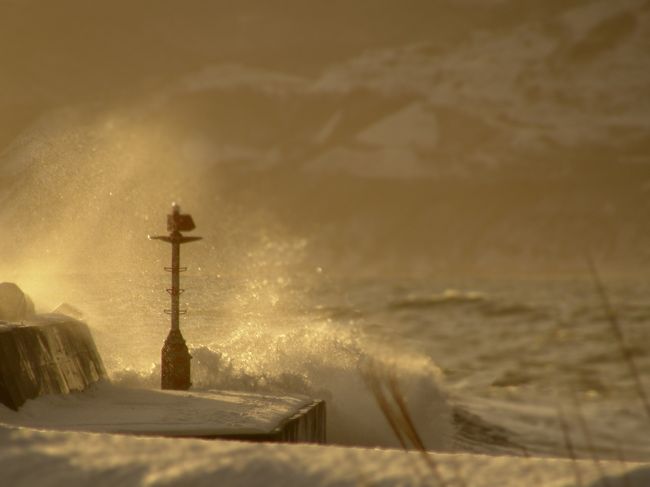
[321, 361]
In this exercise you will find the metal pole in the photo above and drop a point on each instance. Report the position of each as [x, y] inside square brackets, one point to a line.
[176, 279]
[175, 357]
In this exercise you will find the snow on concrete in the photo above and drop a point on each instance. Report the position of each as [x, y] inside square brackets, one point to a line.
[30, 457]
[114, 409]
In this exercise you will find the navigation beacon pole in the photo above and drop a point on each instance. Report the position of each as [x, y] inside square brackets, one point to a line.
[175, 357]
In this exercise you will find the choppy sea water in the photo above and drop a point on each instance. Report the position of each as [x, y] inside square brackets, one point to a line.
[490, 366]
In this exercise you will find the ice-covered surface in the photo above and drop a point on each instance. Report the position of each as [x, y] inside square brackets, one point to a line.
[113, 409]
[30, 457]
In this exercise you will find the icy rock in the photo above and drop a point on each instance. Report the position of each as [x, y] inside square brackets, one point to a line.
[48, 354]
[15, 305]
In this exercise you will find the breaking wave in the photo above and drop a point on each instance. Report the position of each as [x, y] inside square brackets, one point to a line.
[480, 302]
[324, 363]
[450, 297]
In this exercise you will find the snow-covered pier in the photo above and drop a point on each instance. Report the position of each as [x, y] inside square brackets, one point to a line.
[53, 378]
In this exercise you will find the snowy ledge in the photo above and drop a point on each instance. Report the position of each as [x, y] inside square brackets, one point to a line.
[45, 360]
[107, 408]
[30, 457]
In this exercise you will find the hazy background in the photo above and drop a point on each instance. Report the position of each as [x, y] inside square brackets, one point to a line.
[365, 137]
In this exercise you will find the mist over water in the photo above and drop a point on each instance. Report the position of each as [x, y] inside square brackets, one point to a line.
[465, 139]
[88, 186]
[109, 179]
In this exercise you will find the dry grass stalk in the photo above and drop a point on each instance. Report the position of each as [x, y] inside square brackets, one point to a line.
[408, 424]
[586, 432]
[410, 429]
[399, 418]
[617, 331]
[564, 426]
[623, 462]
[373, 383]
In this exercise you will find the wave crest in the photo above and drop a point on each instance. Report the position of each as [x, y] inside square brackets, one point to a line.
[322, 361]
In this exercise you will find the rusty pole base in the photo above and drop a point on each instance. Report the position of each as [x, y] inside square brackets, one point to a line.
[175, 363]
